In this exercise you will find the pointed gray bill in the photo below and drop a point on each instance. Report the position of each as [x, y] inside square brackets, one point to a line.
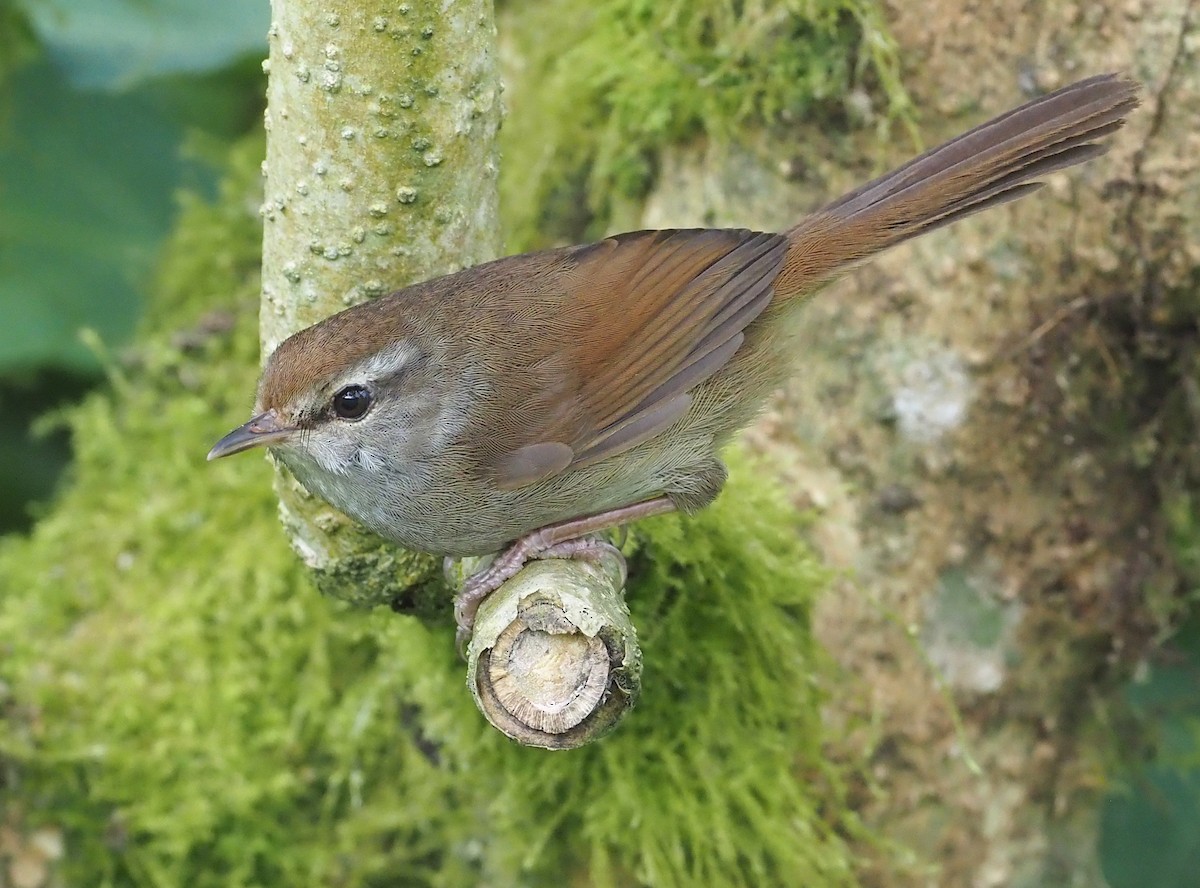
[264, 429]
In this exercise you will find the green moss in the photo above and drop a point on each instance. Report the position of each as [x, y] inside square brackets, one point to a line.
[190, 711]
[370, 573]
[602, 87]
[1183, 526]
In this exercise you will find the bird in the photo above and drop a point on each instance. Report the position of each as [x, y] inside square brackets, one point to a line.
[522, 405]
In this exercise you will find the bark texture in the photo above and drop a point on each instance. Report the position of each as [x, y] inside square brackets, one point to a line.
[978, 417]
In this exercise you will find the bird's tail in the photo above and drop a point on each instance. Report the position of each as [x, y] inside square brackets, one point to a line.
[987, 166]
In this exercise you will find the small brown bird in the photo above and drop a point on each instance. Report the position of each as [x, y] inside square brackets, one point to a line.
[532, 400]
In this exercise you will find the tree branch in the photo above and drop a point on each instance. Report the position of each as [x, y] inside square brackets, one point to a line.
[554, 659]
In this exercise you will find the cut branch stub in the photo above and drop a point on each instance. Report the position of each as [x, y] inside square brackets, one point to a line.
[554, 660]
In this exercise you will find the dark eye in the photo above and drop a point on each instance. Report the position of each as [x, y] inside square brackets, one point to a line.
[352, 402]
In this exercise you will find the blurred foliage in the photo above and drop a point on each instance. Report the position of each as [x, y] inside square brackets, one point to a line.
[1150, 823]
[88, 178]
[592, 105]
[115, 44]
[1150, 826]
[191, 712]
[17, 43]
[87, 183]
[34, 448]
[88, 175]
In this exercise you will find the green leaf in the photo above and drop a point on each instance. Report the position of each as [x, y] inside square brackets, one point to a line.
[86, 185]
[117, 43]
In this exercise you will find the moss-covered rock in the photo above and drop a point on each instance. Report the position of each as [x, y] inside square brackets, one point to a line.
[188, 710]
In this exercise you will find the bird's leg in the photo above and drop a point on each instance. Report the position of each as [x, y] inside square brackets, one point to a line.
[562, 540]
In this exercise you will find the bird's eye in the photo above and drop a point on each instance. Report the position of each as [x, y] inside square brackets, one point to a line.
[352, 402]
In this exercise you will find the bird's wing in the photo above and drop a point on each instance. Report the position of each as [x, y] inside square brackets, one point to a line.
[628, 328]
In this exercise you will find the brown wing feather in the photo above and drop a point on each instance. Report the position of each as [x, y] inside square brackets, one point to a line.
[654, 315]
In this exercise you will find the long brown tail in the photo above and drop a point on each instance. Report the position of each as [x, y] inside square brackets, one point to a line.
[987, 166]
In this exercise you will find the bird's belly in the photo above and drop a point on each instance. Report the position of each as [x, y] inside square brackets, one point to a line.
[427, 511]
[484, 520]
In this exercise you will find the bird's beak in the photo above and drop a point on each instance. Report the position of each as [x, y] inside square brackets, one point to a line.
[264, 429]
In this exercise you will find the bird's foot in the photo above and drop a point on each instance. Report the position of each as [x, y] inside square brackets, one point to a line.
[569, 539]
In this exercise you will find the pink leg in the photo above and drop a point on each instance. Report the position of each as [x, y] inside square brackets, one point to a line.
[560, 540]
